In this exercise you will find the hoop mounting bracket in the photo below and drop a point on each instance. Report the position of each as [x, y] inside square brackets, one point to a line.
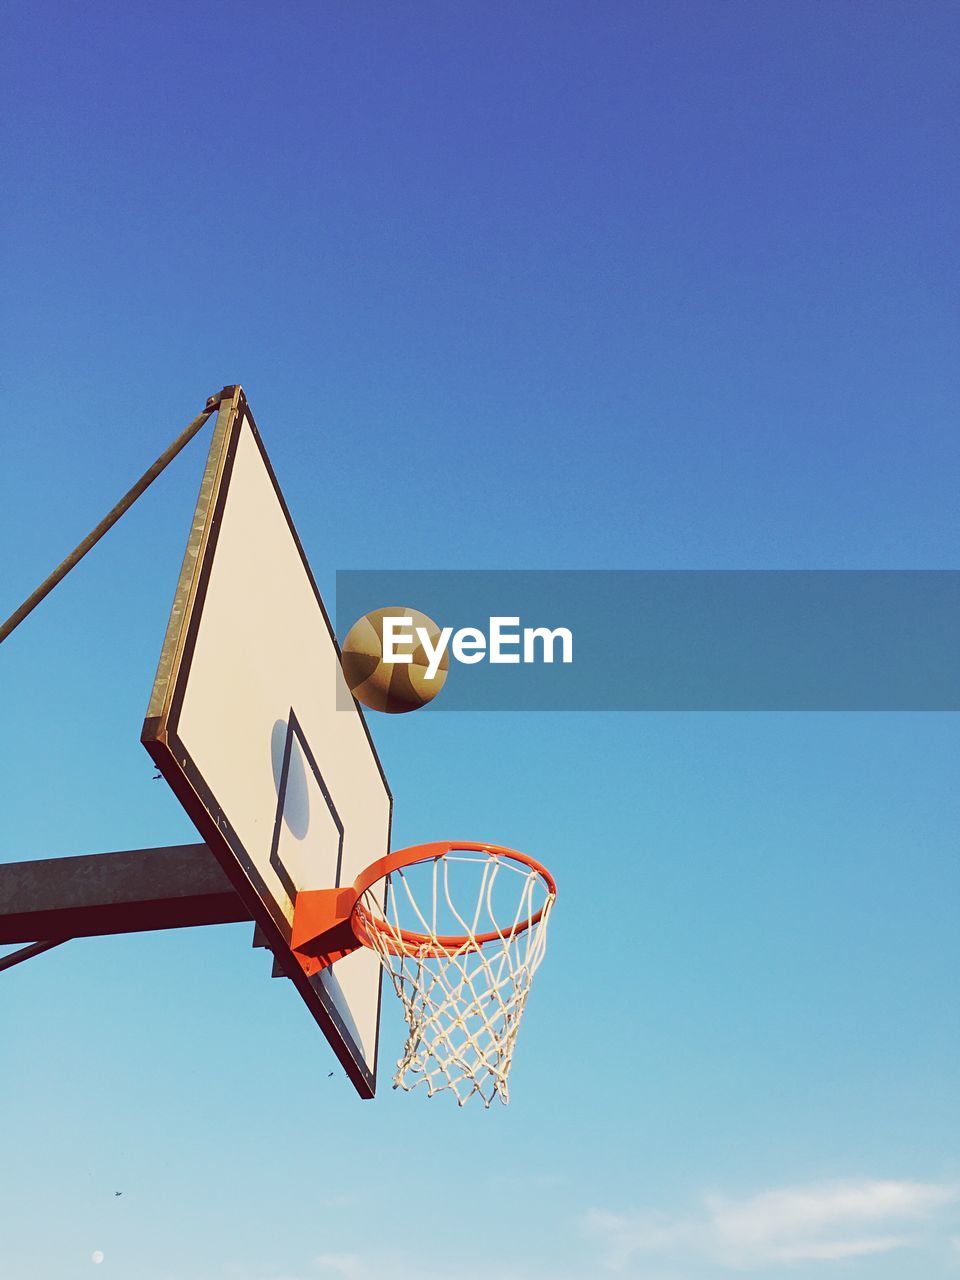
[322, 932]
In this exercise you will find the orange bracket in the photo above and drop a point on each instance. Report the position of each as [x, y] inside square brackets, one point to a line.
[322, 932]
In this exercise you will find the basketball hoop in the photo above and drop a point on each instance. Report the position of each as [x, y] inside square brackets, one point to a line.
[460, 929]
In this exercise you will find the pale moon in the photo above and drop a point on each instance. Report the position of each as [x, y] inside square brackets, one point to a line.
[97, 1256]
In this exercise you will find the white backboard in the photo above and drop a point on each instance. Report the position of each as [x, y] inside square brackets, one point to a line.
[252, 725]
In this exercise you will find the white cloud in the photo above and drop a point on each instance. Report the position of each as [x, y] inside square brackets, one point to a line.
[823, 1222]
[348, 1265]
[831, 1250]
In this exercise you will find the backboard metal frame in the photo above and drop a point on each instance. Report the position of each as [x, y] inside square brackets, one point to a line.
[170, 754]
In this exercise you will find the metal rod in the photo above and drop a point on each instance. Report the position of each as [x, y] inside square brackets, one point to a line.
[27, 953]
[132, 891]
[109, 520]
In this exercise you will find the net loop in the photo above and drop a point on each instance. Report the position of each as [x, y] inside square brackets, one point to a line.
[460, 933]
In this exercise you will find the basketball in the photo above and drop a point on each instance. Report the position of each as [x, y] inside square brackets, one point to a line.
[394, 687]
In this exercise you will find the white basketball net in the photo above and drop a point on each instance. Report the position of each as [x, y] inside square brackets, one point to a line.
[462, 1008]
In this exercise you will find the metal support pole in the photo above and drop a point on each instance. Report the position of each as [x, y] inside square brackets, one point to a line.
[61, 898]
[102, 893]
[27, 953]
[127, 501]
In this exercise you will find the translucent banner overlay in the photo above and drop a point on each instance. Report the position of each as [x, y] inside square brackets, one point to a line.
[692, 640]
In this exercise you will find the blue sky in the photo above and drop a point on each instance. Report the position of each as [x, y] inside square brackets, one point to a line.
[538, 286]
